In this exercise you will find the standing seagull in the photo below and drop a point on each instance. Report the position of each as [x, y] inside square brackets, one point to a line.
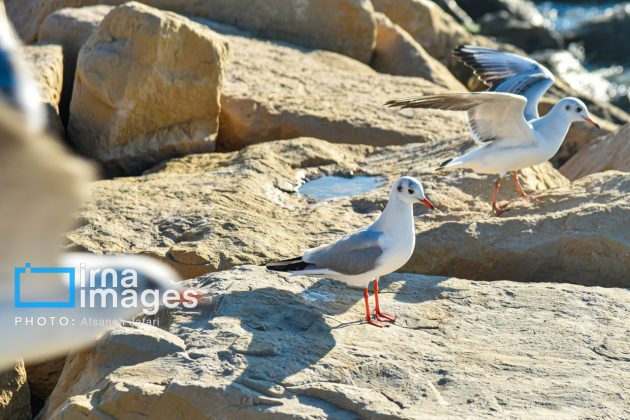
[505, 120]
[376, 250]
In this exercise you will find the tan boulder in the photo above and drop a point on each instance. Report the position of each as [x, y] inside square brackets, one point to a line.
[276, 346]
[610, 152]
[437, 31]
[46, 64]
[570, 234]
[147, 88]
[397, 53]
[15, 398]
[71, 28]
[277, 91]
[344, 26]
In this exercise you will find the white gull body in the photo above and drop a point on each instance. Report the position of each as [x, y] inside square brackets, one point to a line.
[367, 254]
[374, 251]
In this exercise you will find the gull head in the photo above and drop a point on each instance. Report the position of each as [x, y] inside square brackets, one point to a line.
[575, 110]
[409, 190]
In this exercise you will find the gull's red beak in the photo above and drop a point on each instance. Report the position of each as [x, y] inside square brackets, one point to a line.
[590, 121]
[426, 203]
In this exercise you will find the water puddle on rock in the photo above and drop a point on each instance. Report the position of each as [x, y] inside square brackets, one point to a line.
[334, 186]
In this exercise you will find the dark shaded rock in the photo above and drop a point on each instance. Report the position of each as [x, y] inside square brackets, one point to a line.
[605, 38]
[519, 9]
[507, 28]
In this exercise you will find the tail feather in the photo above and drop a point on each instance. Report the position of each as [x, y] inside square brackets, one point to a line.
[292, 264]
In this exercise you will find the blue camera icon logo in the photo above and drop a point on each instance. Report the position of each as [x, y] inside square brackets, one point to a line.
[20, 274]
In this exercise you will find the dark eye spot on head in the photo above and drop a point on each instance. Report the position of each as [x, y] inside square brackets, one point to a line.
[567, 107]
[399, 187]
[410, 191]
[578, 109]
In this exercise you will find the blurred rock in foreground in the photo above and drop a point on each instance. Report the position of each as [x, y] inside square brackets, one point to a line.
[274, 346]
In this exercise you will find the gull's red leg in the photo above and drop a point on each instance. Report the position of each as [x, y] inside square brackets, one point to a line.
[368, 316]
[377, 309]
[497, 210]
[521, 191]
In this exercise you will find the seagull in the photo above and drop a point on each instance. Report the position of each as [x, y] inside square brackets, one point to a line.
[374, 251]
[504, 121]
[41, 333]
[17, 86]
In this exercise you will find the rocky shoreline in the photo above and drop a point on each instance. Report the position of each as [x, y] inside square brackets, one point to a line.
[205, 117]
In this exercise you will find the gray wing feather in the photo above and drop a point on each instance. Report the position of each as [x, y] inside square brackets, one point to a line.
[355, 254]
[491, 116]
[509, 73]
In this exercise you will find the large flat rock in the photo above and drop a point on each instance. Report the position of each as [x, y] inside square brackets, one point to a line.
[210, 212]
[278, 91]
[276, 346]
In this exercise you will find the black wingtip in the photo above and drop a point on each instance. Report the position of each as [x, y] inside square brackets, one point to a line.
[292, 264]
[443, 164]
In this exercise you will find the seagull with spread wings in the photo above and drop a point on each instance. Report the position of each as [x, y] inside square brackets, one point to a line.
[374, 251]
[504, 121]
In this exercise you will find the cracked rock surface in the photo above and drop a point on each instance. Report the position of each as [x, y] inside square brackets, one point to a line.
[275, 346]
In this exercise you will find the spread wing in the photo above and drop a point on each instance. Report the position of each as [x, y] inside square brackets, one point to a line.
[492, 116]
[355, 254]
[509, 73]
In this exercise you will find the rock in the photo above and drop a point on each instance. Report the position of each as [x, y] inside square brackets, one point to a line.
[134, 105]
[452, 8]
[398, 53]
[43, 377]
[604, 36]
[611, 152]
[522, 10]
[70, 28]
[275, 346]
[15, 398]
[434, 29]
[133, 344]
[344, 26]
[524, 34]
[319, 94]
[46, 64]
[579, 135]
[571, 234]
